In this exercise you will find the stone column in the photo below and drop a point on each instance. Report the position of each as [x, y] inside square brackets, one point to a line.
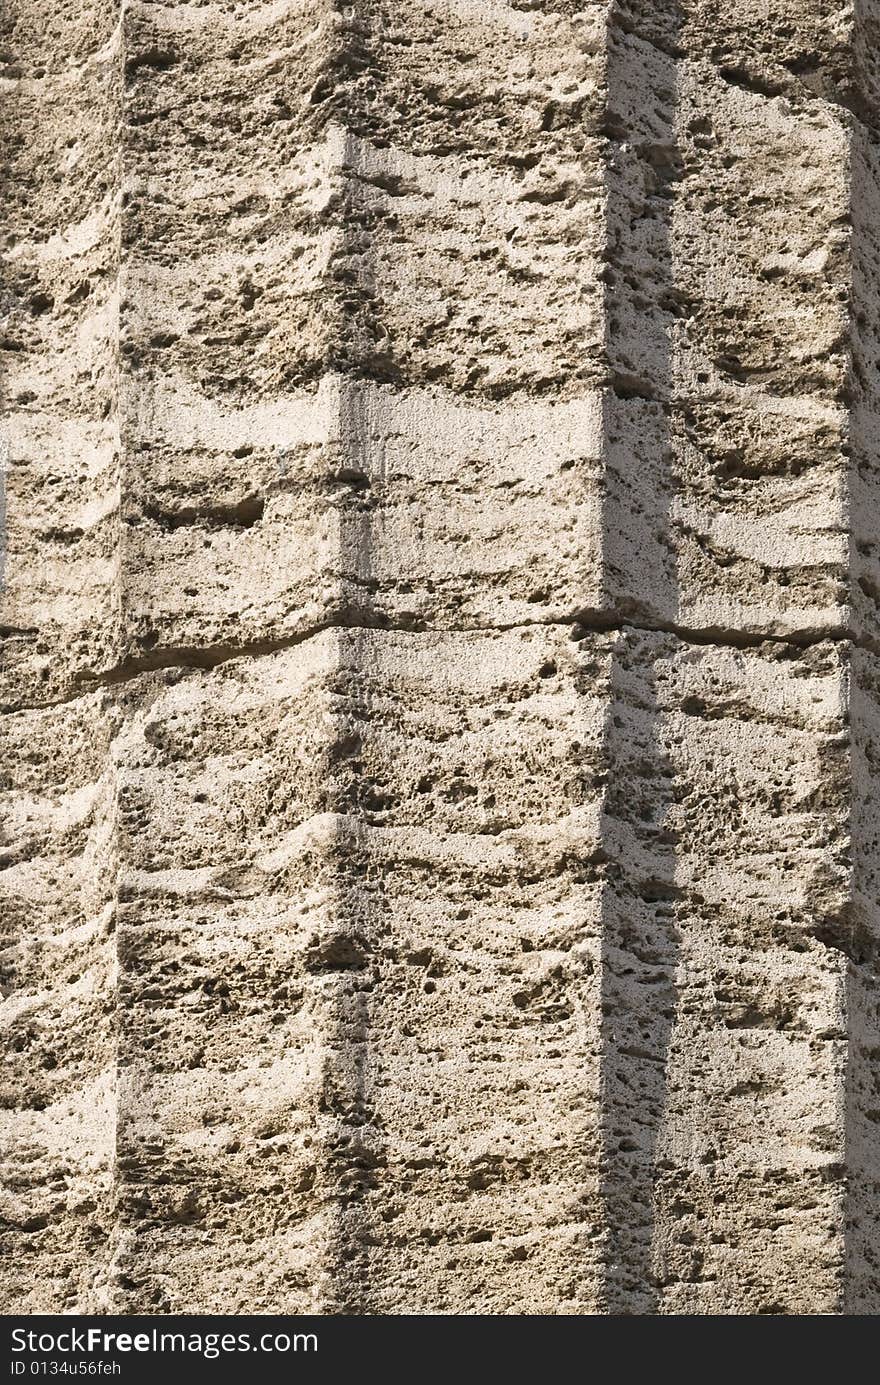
[439, 657]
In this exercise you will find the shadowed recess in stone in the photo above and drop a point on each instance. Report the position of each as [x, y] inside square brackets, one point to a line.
[640, 899]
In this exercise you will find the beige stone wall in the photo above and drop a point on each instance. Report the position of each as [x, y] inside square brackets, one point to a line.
[441, 861]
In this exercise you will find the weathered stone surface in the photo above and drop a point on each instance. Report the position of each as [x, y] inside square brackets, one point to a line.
[440, 631]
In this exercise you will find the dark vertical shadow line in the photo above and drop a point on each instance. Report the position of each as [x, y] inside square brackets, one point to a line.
[860, 1290]
[356, 1153]
[128, 1282]
[640, 948]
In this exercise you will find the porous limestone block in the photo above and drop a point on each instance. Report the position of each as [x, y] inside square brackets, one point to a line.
[371, 505]
[58, 960]
[761, 351]
[727, 333]
[475, 769]
[226, 868]
[59, 277]
[354, 914]
[724, 1041]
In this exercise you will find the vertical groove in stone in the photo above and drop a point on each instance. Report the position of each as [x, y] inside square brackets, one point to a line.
[355, 1147]
[466, 1149]
[641, 900]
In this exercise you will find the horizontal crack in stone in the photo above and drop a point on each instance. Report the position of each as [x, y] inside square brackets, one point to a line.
[590, 621]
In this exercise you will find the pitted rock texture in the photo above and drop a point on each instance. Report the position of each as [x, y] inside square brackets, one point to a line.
[440, 634]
